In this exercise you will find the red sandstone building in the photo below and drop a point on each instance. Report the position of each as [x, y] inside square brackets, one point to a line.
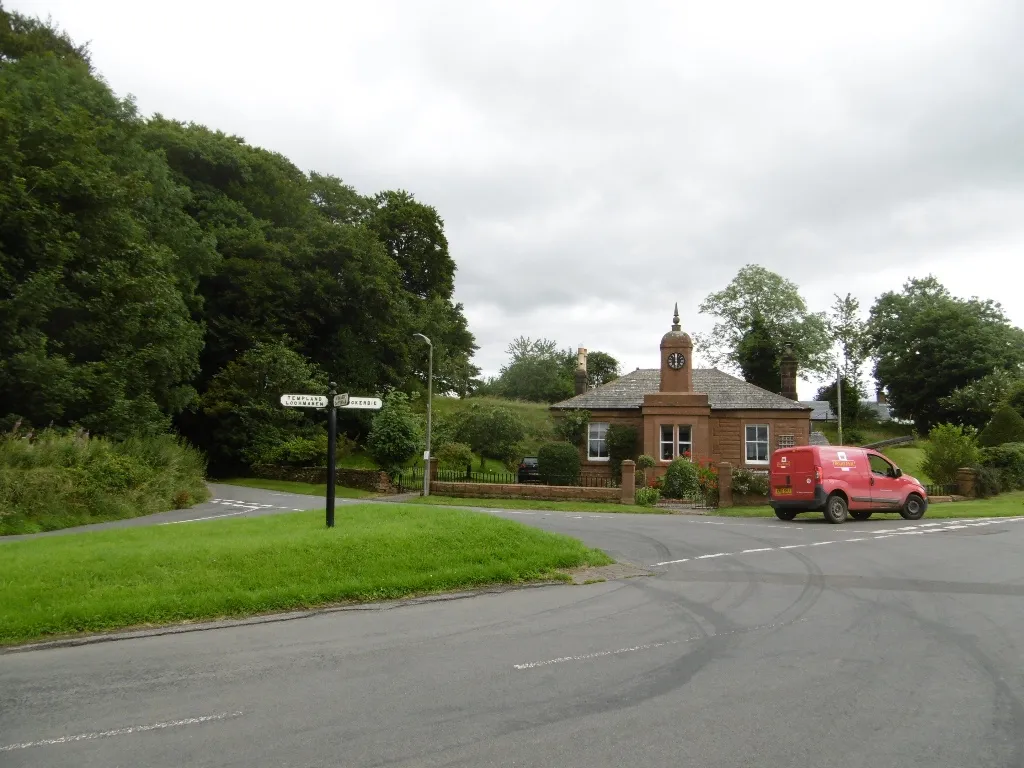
[678, 409]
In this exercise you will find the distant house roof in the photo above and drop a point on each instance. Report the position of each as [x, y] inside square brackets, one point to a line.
[724, 392]
[822, 411]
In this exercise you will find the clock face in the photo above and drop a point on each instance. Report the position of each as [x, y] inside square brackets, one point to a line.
[676, 361]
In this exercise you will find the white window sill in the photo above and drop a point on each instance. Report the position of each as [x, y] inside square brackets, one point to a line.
[598, 458]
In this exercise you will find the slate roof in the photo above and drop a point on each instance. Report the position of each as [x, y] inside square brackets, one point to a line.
[724, 392]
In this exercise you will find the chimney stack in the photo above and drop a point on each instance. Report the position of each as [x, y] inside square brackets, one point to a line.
[581, 371]
[788, 369]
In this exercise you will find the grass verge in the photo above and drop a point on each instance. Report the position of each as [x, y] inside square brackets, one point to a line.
[291, 486]
[539, 504]
[109, 580]
[909, 458]
[1005, 505]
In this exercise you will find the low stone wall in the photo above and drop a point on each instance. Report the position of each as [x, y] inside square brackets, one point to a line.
[750, 500]
[525, 491]
[372, 480]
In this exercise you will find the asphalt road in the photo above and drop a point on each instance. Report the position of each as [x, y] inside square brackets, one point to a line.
[755, 643]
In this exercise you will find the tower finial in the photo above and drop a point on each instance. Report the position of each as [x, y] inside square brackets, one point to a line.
[675, 318]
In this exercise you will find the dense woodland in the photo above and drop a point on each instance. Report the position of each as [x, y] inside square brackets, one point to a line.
[160, 276]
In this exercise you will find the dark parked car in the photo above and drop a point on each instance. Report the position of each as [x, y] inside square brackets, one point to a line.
[529, 470]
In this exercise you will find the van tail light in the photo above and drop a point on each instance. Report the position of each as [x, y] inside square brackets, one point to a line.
[817, 474]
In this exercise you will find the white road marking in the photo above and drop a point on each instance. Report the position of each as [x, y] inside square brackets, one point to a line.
[210, 517]
[649, 646]
[121, 731]
[908, 531]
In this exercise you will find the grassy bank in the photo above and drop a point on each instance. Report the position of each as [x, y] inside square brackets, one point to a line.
[555, 506]
[1006, 505]
[909, 458]
[291, 486]
[163, 574]
[57, 480]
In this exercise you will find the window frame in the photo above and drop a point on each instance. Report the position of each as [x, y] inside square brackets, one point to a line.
[679, 440]
[662, 442]
[602, 439]
[785, 441]
[747, 442]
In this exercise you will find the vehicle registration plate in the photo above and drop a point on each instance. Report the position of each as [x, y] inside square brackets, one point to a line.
[783, 491]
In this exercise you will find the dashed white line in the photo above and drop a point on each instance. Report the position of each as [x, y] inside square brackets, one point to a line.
[907, 531]
[210, 517]
[121, 731]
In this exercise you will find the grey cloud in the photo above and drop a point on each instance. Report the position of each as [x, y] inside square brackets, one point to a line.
[595, 161]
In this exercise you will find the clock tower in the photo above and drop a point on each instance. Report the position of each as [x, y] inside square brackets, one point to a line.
[676, 359]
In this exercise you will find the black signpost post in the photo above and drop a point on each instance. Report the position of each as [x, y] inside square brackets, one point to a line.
[332, 403]
[332, 437]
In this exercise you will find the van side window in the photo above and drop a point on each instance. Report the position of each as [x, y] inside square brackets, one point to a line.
[880, 466]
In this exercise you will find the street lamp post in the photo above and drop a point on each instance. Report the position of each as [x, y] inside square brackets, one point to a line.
[839, 393]
[430, 399]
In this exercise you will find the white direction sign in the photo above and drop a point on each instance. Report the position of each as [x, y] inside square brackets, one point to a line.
[369, 403]
[304, 401]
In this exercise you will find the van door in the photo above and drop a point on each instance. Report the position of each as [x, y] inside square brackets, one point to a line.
[886, 490]
[847, 470]
[792, 474]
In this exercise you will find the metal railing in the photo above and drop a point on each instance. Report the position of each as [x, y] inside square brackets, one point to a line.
[949, 489]
[512, 478]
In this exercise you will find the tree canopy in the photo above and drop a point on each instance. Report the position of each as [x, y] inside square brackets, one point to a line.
[141, 259]
[539, 371]
[758, 314]
[928, 343]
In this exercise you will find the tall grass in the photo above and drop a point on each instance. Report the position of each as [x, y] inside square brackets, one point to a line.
[55, 480]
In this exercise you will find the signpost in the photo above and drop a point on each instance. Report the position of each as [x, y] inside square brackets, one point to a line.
[332, 402]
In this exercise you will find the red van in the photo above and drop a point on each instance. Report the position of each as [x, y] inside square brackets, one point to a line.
[836, 480]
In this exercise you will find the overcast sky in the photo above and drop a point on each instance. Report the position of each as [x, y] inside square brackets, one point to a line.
[595, 162]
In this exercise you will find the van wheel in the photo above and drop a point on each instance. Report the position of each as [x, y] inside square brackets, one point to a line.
[785, 514]
[835, 509]
[913, 508]
[861, 514]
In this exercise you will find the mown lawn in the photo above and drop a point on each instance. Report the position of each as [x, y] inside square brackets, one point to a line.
[909, 458]
[108, 580]
[1005, 505]
[291, 486]
[552, 506]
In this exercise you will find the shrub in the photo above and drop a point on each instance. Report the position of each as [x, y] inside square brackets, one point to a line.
[707, 478]
[494, 432]
[989, 481]
[949, 448]
[747, 483]
[646, 497]
[57, 480]
[1009, 460]
[681, 479]
[394, 437]
[571, 426]
[558, 463]
[455, 456]
[853, 436]
[621, 446]
[1006, 426]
